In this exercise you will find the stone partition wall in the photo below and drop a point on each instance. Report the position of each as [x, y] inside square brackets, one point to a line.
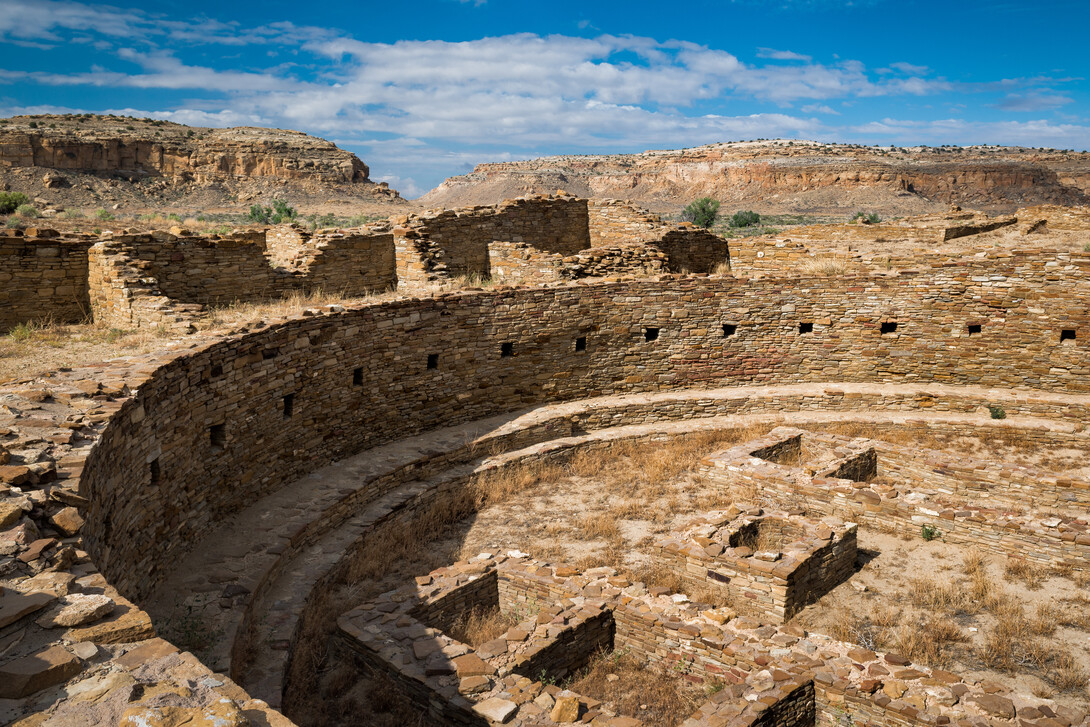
[149, 279]
[215, 424]
[622, 224]
[43, 277]
[616, 222]
[768, 565]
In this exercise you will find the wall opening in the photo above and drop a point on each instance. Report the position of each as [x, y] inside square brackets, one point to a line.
[217, 371]
[507, 349]
[433, 360]
[806, 328]
[217, 436]
[581, 343]
[650, 334]
[289, 405]
[156, 472]
[357, 376]
[889, 327]
[974, 329]
[729, 329]
[1067, 334]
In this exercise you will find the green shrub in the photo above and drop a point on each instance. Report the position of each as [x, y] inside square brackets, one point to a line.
[930, 532]
[997, 411]
[701, 212]
[745, 218]
[870, 218]
[73, 214]
[104, 214]
[174, 217]
[26, 211]
[34, 124]
[279, 212]
[15, 223]
[10, 201]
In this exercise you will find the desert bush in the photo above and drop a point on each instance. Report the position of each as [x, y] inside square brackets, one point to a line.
[104, 214]
[869, 218]
[930, 532]
[26, 211]
[997, 412]
[701, 212]
[279, 212]
[745, 218]
[11, 201]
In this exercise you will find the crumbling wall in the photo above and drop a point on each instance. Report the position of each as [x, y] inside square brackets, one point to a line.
[43, 277]
[455, 243]
[161, 278]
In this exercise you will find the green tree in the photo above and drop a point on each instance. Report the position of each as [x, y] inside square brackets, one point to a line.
[745, 218]
[11, 201]
[701, 212]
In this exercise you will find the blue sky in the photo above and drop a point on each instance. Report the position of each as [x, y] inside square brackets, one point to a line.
[425, 90]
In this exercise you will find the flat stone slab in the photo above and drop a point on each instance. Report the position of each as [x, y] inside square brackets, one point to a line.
[23, 677]
[14, 606]
[496, 709]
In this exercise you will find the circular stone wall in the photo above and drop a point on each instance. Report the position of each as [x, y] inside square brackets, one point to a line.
[217, 428]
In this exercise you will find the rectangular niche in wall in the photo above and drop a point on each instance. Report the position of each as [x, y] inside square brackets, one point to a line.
[433, 360]
[889, 327]
[974, 329]
[217, 436]
[289, 405]
[507, 349]
[729, 329]
[650, 334]
[155, 471]
[1067, 334]
[357, 376]
[806, 328]
[581, 343]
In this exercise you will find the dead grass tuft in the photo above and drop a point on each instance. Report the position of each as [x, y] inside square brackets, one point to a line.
[480, 625]
[652, 694]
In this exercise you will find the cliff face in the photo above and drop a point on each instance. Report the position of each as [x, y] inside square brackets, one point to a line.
[785, 176]
[170, 160]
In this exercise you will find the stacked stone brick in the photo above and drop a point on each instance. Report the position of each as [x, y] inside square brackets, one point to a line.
[43, 278]
[722, 552]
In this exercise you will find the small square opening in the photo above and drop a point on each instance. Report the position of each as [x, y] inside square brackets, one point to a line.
[357, 376]
[217, 436]
[581, 343]
[289, 405]
[974, 329]
[507, 349]
[217, 371]
[889, 327]
[156, 473]
[650, 334]
[729, 329]
[433, 360]
[806, 328]
[1067, 334]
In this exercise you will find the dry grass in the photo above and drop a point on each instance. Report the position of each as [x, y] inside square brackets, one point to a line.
[655, 695]
[480, 625]
[1022, 570]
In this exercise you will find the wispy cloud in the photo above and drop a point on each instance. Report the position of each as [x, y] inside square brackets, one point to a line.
[1033, 101]
[781, 55]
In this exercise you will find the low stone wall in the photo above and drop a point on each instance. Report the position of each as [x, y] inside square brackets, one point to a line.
[42, 278]
[728, 552]
[988, 518]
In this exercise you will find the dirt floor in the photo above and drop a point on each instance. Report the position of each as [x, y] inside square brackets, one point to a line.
[940, 604]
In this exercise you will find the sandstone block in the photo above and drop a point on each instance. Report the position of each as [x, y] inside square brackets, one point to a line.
[30, 674]
[566, 709]
[496, 709]
[78, 609]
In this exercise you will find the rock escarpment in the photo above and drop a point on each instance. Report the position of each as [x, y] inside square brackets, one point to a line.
[159, 161]
[794, 176]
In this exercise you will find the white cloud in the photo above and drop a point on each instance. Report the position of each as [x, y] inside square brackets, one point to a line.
[815, 108]
[781, 55]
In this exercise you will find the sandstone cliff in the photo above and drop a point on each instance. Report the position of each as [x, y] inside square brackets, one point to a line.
[793, 176]
[88, 159]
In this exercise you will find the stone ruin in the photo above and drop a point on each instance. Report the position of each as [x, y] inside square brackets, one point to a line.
[241, 477]
[169, 279]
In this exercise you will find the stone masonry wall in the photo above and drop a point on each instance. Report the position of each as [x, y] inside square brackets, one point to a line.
[455, 243]
[135, 278]
[42, 278]
[213, 420]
